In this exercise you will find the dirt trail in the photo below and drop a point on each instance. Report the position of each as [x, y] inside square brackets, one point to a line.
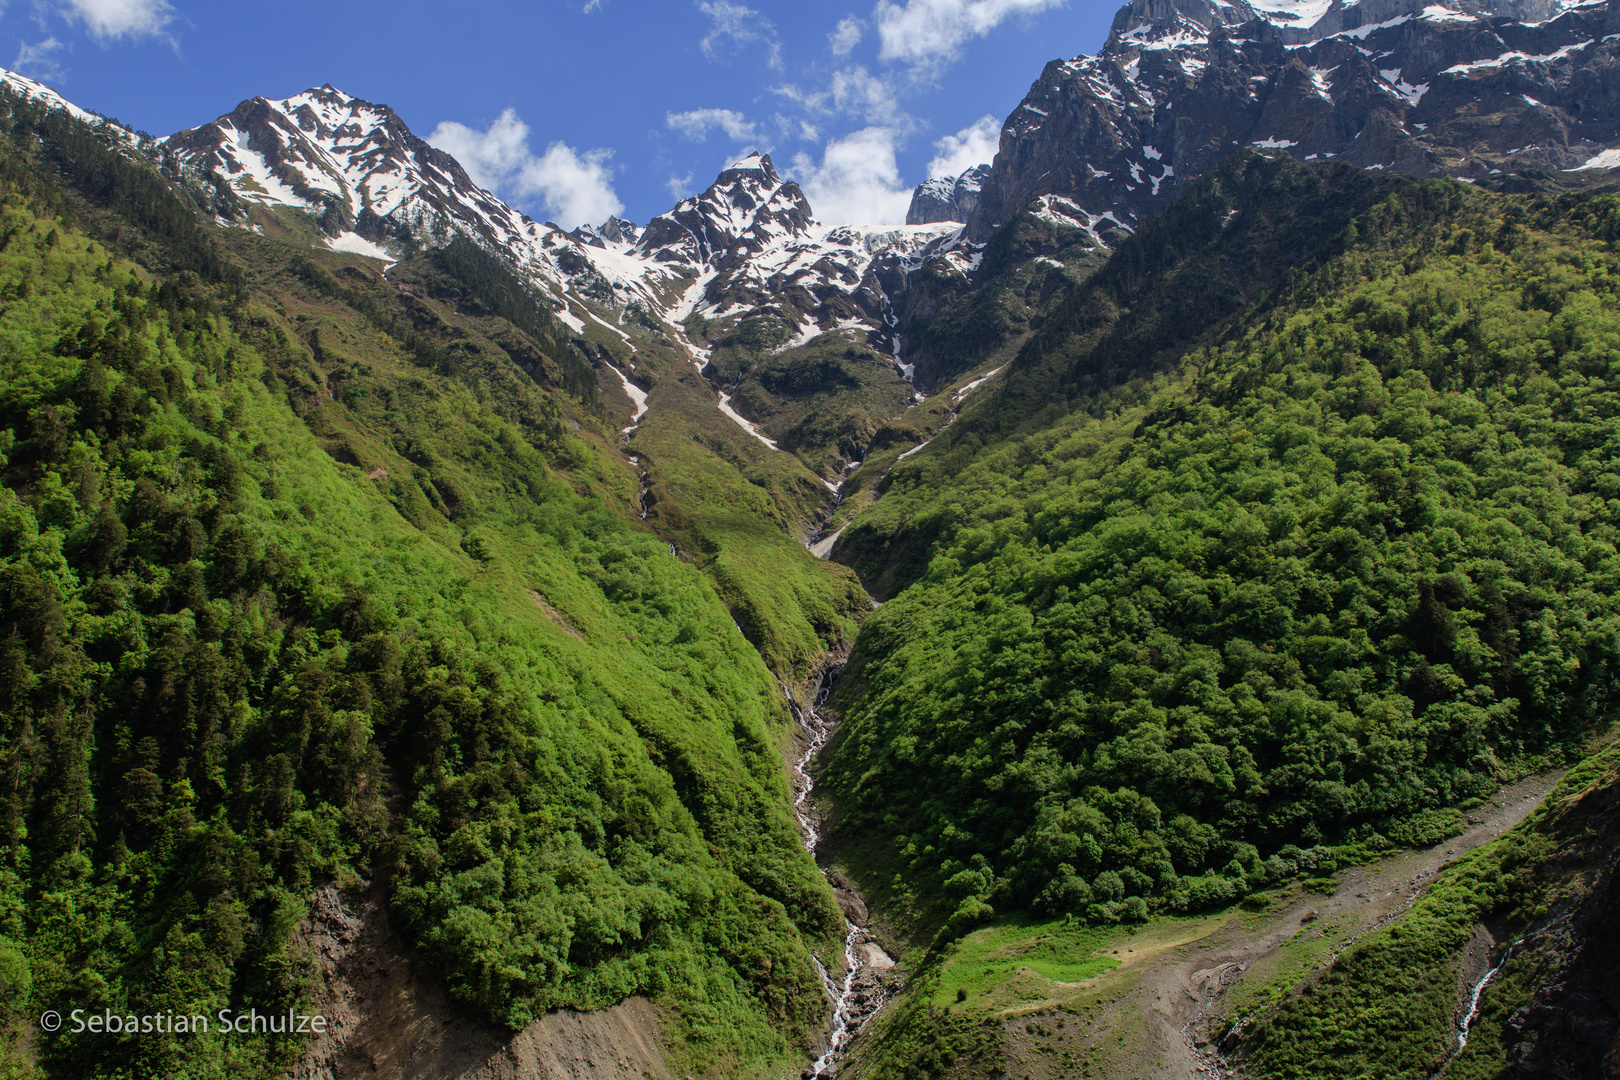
[1185, 985]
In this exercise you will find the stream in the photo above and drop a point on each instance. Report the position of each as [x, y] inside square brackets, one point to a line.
[646, 490]
[1467, 1022]
[860, 994]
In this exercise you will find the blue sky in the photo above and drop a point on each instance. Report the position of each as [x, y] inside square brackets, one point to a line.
[574, 110]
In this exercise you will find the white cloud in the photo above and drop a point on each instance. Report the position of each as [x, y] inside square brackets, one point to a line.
[846, 36]
[852, 90]
[697, 124]
[809, 100]
[593, 5]
[857, 180]
[110, 19]
[741, 26]
[575, 188]
[926, 32]
[491, 157]
[975, 144]
[855, 90]
[39, 61]
[679, 186]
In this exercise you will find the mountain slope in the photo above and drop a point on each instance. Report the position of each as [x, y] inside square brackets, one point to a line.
[1258, 505]
[333, 171]
[1309, 582]
[306, 581]
[1254, 226]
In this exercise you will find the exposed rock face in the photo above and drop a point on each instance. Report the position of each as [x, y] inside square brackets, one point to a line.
[947, 199]
[614, 232]
[619, 231]
[1469, 90]
[389, 1023]
[1472, 90]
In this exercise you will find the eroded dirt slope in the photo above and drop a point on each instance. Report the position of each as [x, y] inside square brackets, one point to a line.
[389, 1023]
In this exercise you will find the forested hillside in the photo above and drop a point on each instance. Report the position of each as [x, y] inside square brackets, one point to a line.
[1307, 564]
[296, 589]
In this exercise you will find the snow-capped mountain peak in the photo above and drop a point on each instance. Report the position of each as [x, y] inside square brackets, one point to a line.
[353, 163]
[746, 210]
[1296, 22]
[748, 241]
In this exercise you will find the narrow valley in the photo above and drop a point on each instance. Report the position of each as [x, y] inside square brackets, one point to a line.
[1143, 602]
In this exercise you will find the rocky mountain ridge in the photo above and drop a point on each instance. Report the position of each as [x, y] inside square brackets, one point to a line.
[1475, 90]
[750, 246]
[749, 242]
[1492, 91]
[28, 88]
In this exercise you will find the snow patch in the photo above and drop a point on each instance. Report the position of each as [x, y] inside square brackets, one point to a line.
[637, 395]
[355, 244]
[823, 547]
[742, 422]
[915, 449]
[267, 186]
[1513, 57]
[1406, 91]
[1608, 159]
[1360, 33]
[974, 385]
[1319, 79]
[569, 319]
[1056, 210]
[1302, 14]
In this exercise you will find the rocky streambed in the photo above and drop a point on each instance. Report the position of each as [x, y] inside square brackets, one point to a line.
[865, 981]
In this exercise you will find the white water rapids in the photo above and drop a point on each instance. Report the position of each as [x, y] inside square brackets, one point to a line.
[856, 998]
